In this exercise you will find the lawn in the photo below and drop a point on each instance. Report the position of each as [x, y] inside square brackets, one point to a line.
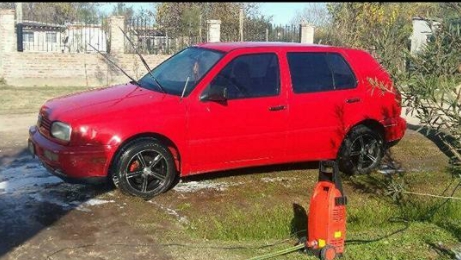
[268, 205]
[30, 99]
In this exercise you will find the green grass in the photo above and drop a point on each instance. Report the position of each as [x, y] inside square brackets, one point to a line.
[29, 99]
[378, 227]
[257, 223]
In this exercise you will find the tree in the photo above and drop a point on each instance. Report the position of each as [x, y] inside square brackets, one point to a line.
[6, 5]
[314, 13]
[381, 28]
[121, 9]
[184, 18]
[317, 14]
[433, 89]
[60, 13]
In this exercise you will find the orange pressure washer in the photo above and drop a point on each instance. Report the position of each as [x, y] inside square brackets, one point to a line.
[327, 214]
[326, 222]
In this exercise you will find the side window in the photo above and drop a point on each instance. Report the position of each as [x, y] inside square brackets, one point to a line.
[342, 73]
[249, 76]
[317, 71]
[310, 72]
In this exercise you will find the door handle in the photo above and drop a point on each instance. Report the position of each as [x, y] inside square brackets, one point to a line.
[277, 108]
[353, 100]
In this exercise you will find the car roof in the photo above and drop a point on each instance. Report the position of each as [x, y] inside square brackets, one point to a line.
[230, 46]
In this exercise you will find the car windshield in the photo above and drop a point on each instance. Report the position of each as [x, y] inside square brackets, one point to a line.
[189, 65]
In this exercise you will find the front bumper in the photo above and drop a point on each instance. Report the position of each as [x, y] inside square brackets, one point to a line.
[75, 164]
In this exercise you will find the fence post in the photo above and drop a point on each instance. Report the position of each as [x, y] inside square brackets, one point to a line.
[307, 33]
[7, 36]
[7, 33]
[117, 39]
[241, 24]
[214, 30]
[200, 29]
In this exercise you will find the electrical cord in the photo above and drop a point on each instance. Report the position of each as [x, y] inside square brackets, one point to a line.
[395, 219]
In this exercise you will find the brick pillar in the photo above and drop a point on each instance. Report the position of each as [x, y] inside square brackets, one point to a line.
[214, 31]
[117, 39]
[7, 35]
[307, 33]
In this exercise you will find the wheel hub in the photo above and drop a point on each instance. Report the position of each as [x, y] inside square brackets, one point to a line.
[146, 172]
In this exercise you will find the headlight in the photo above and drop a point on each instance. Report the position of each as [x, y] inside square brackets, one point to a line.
[61, 131]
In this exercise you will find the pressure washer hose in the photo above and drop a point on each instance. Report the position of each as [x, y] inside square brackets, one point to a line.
[277, 253]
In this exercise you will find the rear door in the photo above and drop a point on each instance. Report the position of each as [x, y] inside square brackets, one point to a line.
[323, 97]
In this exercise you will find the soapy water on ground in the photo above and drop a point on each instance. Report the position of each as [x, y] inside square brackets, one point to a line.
[194, 186]
[29, 183]
[26, 181]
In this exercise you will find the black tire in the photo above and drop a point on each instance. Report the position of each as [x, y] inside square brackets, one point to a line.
[144, 168]
[361, 152]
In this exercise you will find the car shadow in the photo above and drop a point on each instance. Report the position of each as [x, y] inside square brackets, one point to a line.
[7, 160]
[251, 171]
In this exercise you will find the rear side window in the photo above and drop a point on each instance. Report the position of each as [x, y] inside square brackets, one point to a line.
[317, 71]
[342, 73]
[249, 76]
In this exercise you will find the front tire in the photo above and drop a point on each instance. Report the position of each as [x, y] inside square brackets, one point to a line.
[361, 152]
[144, 168]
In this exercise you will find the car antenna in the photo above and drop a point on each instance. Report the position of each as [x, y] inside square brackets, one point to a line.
[118, 67]
[143, 61]
[184, 89]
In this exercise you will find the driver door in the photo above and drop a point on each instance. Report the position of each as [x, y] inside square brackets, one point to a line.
[249, 127]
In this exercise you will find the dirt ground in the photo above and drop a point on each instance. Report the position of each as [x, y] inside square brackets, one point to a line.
[49, 219]
[43, 218]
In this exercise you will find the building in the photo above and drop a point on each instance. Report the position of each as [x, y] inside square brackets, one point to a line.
[422, 31]
[69, 38]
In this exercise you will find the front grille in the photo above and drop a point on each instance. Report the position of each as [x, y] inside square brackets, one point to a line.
[46, 123]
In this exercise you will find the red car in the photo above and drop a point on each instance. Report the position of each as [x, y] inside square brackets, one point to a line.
[219, 106]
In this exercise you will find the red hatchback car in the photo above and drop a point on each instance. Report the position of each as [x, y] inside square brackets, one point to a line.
[219, 106]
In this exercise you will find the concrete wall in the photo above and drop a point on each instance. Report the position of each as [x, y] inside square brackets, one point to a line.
[67, 69]
[72, 69]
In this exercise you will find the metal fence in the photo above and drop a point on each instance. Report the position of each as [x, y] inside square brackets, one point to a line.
[69, 37]
[284, 33]
[273, 33]
[148, 38]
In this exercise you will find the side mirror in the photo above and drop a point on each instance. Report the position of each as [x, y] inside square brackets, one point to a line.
[214, 93]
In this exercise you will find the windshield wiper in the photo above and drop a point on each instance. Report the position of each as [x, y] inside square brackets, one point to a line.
[143, 61]
[185, 87]
[115, 64]
[136, 83]
[158, 83]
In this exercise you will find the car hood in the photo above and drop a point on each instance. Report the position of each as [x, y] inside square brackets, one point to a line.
[100, 101]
